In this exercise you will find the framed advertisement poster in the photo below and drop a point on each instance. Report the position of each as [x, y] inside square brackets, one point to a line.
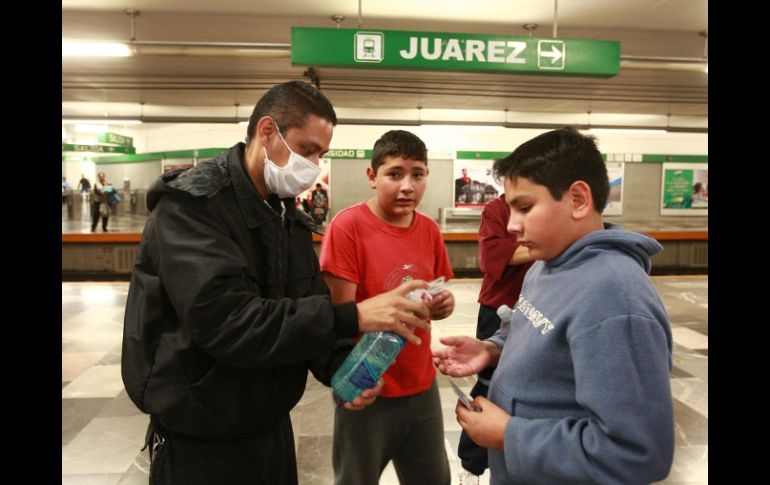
[474, 185]
[684, 189]
[614, 205]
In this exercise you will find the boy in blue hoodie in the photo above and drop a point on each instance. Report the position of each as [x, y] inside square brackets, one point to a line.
[581, 393]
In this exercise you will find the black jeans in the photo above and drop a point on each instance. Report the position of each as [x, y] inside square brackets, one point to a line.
[264, 458]
[95, 217]
[474, 457]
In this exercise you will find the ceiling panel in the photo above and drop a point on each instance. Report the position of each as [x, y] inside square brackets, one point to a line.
[644, 27]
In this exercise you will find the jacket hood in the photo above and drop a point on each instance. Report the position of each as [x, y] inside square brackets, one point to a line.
[640, 247]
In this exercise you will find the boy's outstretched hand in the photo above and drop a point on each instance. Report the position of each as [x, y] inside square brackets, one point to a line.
[465, 356]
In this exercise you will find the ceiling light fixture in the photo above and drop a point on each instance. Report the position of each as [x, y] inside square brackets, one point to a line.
[111, 121]
[72, 48]
[627, 130]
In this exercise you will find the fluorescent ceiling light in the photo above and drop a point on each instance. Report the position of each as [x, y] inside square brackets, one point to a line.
[628, 130]
[101, 122]
[94, 49]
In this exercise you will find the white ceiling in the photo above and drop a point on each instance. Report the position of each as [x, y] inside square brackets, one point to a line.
[169, 84]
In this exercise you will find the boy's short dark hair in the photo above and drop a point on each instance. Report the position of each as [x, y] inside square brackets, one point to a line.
[398, 143]
[555, 160]
[289, 104]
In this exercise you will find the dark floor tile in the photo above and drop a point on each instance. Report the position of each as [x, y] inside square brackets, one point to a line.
[112, 358]
[120, 405]
[691, 428]
[139, 471]
[77, 413]
[678, 373]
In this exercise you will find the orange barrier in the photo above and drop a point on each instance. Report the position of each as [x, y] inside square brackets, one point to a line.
[679, 235]
[101, 237]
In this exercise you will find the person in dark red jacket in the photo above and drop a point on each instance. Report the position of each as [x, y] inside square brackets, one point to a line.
[504, 264]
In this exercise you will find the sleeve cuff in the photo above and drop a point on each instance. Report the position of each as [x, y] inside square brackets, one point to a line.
[345, 319]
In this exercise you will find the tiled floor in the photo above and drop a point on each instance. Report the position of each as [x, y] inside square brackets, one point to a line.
[102, 432]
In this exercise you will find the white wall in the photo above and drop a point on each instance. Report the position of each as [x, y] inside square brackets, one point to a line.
[436, 137]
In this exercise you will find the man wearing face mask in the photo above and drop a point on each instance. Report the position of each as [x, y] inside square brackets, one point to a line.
[227, 310]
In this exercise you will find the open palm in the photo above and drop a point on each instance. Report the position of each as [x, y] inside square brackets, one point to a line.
[462, 357]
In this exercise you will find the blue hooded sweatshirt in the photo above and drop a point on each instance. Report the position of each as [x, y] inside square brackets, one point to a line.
[584, 369]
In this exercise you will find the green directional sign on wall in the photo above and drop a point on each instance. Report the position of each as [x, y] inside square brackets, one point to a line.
[348, 153]
[397, 49]
[69, 147]
[116, 139]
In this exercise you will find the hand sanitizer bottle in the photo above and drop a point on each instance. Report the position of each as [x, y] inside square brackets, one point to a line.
[374, 353]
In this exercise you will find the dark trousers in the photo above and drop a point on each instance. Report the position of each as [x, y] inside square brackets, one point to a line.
[473, 456]
[408, 430]
[264, 458]
[95, 217]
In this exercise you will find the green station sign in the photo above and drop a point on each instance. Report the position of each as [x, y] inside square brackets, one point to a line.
[69, 147]
[397, 49]
[348, 153]
[116, 139]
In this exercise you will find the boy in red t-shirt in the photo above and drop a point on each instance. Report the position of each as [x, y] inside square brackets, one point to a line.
[370, 248]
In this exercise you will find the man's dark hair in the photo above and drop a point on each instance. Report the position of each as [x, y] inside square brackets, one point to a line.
[289, 104]
[556, 160]
[398, 143]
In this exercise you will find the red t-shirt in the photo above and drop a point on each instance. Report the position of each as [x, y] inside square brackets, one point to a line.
[502, 283]
[377, 256]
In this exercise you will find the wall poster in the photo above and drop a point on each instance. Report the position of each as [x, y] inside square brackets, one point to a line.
[474, 185]
[684, 189]
[614, 205]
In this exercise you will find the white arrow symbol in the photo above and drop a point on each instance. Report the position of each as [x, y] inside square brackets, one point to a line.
[555, 54]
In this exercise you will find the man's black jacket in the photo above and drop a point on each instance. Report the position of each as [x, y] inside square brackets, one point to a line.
[227, 309]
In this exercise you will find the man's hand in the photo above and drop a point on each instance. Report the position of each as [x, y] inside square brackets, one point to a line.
[442, 305]
[366, 398]
[465, 356]
[393, 312]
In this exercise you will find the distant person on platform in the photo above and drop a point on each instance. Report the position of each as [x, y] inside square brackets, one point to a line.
[320, 207]
[64, 186]
[84, 185]
[99, 205]
[227, 310]
[582, 391]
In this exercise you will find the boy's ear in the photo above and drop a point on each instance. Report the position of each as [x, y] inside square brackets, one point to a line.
[582, 200]
[371, 175]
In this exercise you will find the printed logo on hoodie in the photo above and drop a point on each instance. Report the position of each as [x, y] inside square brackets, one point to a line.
[534, 315]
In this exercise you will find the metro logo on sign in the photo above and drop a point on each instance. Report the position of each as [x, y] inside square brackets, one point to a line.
[369, 46]
[397, 49]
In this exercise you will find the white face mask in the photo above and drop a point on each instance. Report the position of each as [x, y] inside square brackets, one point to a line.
[295, 177]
